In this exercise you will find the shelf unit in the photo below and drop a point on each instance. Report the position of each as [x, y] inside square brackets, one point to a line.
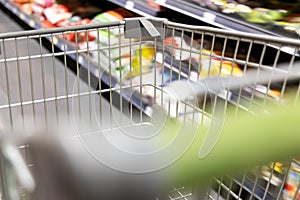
[83, 60]
[136, 7]
[220, 20]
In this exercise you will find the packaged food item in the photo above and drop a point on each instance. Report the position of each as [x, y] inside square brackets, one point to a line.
[69, 22]
[292, 183]
[103, 35]
[44, 3]
[83, 35]
[263, 15]
[37, 9]
[21, 1]
[57, 13]
[110, 16]
[146, 59]
[26, 7]
[210, 65]
[141, 61]
[47, 24]
[235, 8]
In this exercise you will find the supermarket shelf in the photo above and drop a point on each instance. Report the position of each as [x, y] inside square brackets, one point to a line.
[83, 59]
[136, 7]
[214, 18]
[20, 14]
[59, 43]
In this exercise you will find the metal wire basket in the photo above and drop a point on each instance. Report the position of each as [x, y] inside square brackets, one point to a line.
[111, 87]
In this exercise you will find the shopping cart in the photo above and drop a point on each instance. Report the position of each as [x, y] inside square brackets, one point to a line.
[120, 91]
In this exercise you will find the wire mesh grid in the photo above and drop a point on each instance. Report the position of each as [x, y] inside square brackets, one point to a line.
[93, 77]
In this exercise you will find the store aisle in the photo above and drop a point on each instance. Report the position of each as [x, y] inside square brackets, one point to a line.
[7, 24]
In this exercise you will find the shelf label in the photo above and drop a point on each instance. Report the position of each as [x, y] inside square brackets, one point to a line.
[22, 16]
[14, 10]
[160, 1]
[129, 5]
[80, 60]
[55, 40]
[31, 23]
[209, 16]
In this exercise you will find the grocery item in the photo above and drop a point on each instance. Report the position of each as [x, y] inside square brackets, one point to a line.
[44, 3]
[26, 7]
[82, 36]
[110, 16]
[37, 9]
[57, 13]
[209, 64]
[292, 183]
[235, 8]
[69, 22]
[264, 15]
[142, 61]
[21, 1]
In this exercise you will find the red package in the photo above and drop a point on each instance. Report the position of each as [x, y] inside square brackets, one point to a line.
[44, 3]
[81, 35]
[57, 13]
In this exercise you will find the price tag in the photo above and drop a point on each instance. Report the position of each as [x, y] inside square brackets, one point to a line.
[22, 16]
[31, 23]
[209, 16]
[15, 10]
[160, 1]
[55, 40]
[129, 5]
[80, 60]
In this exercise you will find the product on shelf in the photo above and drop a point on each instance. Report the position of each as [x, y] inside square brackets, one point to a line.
[21, 1]
[80, 36]
[269, 15]
[114, 33]
[69, 22]
[263, 15]
[27, 8]
[292, 183]
[144, 57]
[37, 9]
[132, 64]
[44, 3]
[209, 64]
[57, 13]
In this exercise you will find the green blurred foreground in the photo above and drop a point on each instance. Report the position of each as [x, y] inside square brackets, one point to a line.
[245, 141]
